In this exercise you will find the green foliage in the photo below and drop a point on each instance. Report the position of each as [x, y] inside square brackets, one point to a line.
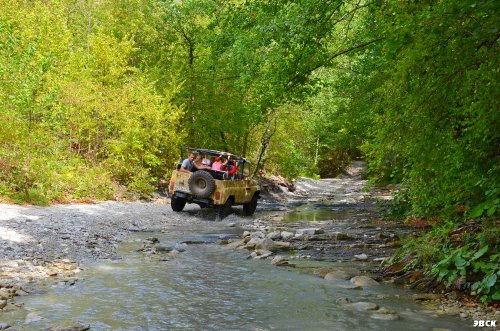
[477, 264]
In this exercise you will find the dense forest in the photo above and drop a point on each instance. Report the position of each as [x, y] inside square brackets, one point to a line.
[96, 96]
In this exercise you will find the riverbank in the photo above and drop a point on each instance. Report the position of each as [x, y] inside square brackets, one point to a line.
[339, 227]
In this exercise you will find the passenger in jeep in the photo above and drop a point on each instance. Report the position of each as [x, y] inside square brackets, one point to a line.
[217, 164]
[198, 164]
[188, 164]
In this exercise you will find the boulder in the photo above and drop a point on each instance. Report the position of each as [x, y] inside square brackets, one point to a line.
[285, 235]
[337, 275]
[266, 244]
[274, 235]
[363, 281]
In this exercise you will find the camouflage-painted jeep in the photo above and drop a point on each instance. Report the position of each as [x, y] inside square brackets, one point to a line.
[214, 188]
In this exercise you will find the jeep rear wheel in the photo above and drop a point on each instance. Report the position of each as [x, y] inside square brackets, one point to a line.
[177, 203]
[222, 211]
[250, 207]
[202, 184]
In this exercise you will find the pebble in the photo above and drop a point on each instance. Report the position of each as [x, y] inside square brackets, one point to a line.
[361, 257]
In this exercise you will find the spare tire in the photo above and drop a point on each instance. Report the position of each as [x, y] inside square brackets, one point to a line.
[202, 184]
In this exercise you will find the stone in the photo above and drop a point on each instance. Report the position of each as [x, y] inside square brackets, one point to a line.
[282, 244]
[426, 296]
[363, 281]
[362, 306]
[274, 235]
[51, 273]
[3, 303]
[343, 300]
[236, 244]
[152, 239]
[231, 225]
[164, 248]
[337, 275]
[281, 261]
[384, 310]
[252, 243]
[361, 257]
[4, 326]
[266, 244]
[258, 234]
[309, 231]
[452, 310]
[340, 236]
[261, 254]
[246, 234]
[385, 317]
[285, 235]
[5, 294]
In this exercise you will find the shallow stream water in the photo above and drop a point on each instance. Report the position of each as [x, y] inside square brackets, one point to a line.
[210, 287]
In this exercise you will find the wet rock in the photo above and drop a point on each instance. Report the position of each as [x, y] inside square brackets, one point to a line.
[258, 234]
[363, 281]
[385, 310]
[285, 235]
[385, 317]
[252, 243]
[426, 296]
[281, 261]
[343, 300]
[309, 231]
[33, 317]
[452, 310]
[363, 306]
[266, 244]
[236, 244]
[337, 275]
[164, 248]
[261, 254]
[5, 294]
[340, 236]
[282, 244]
[4, 326]
[361, 257]
[274, 235]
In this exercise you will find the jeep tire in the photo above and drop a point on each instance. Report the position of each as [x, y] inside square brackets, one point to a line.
[202, 184]
[177, 203]
[222, 211]
[249, 208]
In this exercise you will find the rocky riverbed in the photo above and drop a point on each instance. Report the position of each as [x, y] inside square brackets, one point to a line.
[326, 228]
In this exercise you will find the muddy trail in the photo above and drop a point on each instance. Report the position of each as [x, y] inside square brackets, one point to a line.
[306, 260]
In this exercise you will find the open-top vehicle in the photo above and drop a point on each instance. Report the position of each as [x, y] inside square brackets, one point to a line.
[214, 188]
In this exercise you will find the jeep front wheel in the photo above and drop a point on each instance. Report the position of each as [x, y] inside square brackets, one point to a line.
[250, 207]
[222, 211]
[177, 203]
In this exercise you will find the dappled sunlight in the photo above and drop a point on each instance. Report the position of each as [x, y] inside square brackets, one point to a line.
[12, 235]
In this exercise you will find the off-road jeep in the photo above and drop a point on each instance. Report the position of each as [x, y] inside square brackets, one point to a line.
[214, 188]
